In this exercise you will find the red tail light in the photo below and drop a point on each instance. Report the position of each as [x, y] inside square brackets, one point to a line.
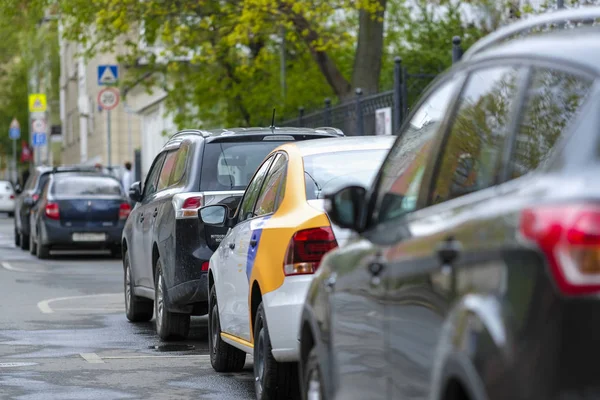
[192, 203]
[52, 211]
[124, 210]
[35, 197]
[12, 196]
[205, 266]
[187, 207]
[306, 249]
[569, 237]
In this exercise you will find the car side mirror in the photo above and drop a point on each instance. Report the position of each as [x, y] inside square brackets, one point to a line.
[135, 192]
[345, 207]
[215, 215]
[18, 189]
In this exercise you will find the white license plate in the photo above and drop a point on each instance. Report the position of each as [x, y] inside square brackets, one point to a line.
[89, 237]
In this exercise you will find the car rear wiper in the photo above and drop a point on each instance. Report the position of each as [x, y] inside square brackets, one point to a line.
[315, 182]
[227, 165]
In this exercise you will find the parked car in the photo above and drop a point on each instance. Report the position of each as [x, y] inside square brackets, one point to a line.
[7, 198]
[79, 210]
[30, 194]
[473, 271]
[165, 247]
[259, 275]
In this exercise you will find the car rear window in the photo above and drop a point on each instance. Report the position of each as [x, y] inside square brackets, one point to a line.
[328, 172]
[231, 165]
[6, 187]
[86, 186]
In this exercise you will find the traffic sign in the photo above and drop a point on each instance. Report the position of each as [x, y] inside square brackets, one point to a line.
[14, 131]
[39, 139]
[108, 74]
[108, 98]
[38, 126]
[37, 102]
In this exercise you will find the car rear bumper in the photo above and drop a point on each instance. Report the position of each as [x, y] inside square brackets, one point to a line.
[7, 206]
[283, 308]
[55, 234]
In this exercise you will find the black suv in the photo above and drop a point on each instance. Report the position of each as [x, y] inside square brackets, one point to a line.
[474, 270]
[30, 194]
[165, 247]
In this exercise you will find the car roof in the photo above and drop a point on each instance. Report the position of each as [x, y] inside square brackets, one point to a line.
[70, 174]
[580, 45]
[349, 143]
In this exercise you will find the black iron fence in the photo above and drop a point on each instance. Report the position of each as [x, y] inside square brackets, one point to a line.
[360, 115]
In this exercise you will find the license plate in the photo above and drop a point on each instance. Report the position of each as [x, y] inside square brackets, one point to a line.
[89, 237]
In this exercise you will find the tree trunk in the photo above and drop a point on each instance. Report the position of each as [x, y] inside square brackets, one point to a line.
[369, 51]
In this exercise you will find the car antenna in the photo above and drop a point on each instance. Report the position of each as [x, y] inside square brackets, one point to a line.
[273, 121]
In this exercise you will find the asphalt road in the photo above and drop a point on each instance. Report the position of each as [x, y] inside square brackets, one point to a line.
[64, 335]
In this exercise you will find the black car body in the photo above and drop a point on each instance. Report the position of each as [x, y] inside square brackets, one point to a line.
[166, 248]
[474, 270]
[30, 194]
[78, 210]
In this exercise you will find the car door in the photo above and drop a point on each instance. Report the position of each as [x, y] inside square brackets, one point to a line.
[233, 271]
[141, 251]
[421, 262]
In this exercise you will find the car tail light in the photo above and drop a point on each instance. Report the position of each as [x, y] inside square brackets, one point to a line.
[306, 249]
[205, 266]
[124, 210]
[35, 197]
[186, 205]
[12, 196]
[52, 211]
[569, 237]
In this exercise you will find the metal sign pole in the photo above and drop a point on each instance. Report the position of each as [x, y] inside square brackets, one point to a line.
[108, 134]
[16, 173]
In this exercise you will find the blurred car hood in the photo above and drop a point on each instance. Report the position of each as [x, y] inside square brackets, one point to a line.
[341, 235]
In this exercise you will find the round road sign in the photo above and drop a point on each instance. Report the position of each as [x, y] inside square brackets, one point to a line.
[38, 125]
[108, 98]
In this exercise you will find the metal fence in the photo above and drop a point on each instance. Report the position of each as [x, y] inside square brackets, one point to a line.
[358, 116]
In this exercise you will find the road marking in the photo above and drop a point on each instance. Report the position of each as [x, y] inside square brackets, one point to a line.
[9, 267]
[91, 309]
[92, 358]
[44, 305]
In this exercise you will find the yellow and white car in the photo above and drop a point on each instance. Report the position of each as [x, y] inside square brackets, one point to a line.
[259, 275]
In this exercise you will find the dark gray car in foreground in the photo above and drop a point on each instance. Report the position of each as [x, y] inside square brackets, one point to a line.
[474, 270]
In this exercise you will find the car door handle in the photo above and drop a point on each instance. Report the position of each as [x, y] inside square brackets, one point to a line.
[155, 213]
[253, 242]
[232, 245]
[141, 218]
[448, 251]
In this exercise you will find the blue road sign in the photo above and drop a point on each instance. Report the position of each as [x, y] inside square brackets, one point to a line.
[14, 133]
[108, 74]
[39, 139]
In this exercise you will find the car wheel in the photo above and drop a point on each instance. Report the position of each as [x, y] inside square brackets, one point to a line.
[223, 356]
[137, 309]
[11, 214]
[169, 325]
[17, 238]
[24, 241]
[272, 380]
[312, 381]
[42, 251]
[32, 246]
[116, 252]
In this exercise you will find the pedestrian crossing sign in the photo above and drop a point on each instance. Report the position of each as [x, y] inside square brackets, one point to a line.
[108, 74]
[37, 102]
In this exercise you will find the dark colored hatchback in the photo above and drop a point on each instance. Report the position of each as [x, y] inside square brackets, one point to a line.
[79, 211]
[474, 270]
[165, 247]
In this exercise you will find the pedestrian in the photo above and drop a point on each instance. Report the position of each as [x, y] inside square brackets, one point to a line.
[126, 178]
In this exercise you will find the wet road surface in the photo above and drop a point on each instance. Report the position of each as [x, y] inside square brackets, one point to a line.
[64, 335]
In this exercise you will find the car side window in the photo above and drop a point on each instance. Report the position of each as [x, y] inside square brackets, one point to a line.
[270, 195]
[152, 178]
[167, 169]
[30, 181]
[553, 101]
[180, 163]
[402, 171]
[471, 157]
[246, 209]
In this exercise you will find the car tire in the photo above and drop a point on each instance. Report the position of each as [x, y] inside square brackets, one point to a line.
[116, 252]
[17, 238]
[137, 309]
[169, 325]
[11, 214]
[312, 381]
[42, 251]
[32, 246]
[272, 380]
[24, 241]
[223, 356]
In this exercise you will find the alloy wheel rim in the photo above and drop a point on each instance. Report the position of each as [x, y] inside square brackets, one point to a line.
[127, 288]
[214, 328]
[314, 385]
[260, 361]
[159, 302]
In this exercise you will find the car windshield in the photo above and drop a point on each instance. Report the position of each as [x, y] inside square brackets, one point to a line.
[86, 186]
[327, 172]
[230, 166]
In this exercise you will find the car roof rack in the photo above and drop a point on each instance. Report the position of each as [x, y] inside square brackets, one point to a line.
[197, 132]
[576, 15]
[330, 129]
